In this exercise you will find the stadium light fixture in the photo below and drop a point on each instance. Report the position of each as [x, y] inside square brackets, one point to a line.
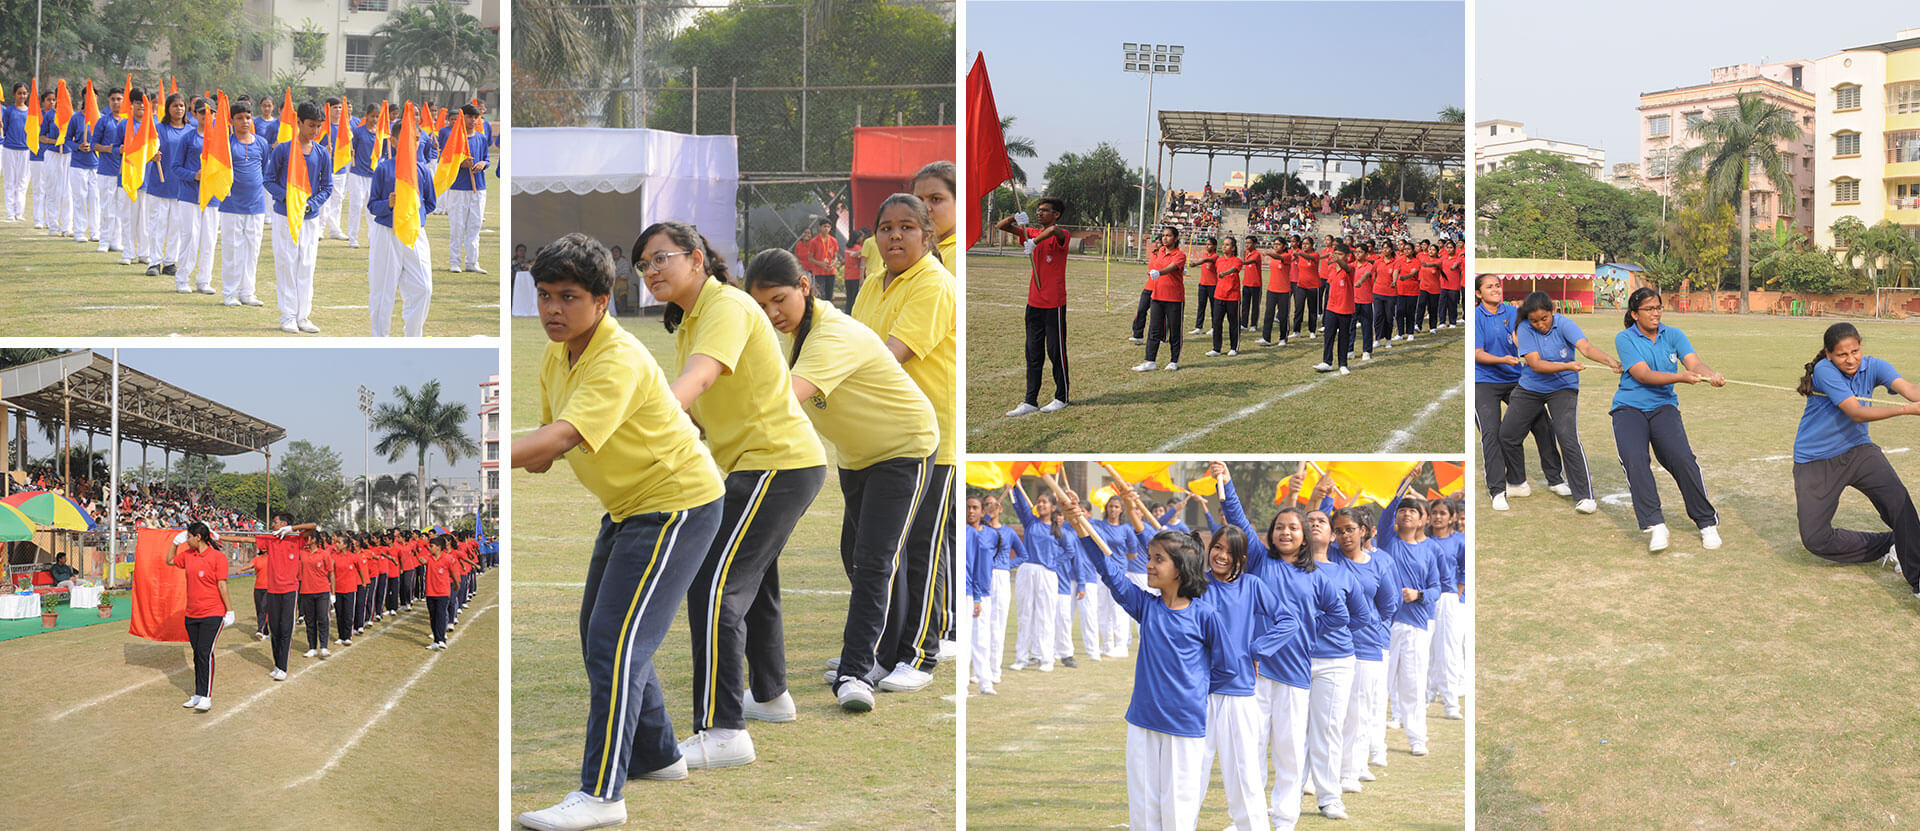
[1149, 59]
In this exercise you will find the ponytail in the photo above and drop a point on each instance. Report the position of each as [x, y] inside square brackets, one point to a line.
[779, 267]
[688, 237]
[1835, 334]
[1805, 387]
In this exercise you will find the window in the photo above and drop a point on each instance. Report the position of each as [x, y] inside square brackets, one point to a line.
[1846, 144]
[1493, 129]
[1659, 125]
[1695, 117]
[367, 5]
[1903, 99]
[1846, 97]
[1903, 146]
[1796, 77]
[493, 480]
[1846, 190]
[493, 451]
[1656, 166]
[359, 53]
[1724, 112]
[493, 422]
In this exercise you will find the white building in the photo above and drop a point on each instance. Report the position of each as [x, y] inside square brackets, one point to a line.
[348, 26]
[1497, 140]
[1867, 136]
[490, 445]
[1325, 181]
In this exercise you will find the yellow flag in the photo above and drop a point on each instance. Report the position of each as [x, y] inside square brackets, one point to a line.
[1204, 486]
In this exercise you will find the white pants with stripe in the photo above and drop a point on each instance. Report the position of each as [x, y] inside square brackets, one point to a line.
[86, 208]
[106, 199]
[1285, 709]
[357, 188]
[293, 268]
[1365, 733]
[1326, 721]
[1000, 608]
[1449, 650]
[1165, 781]
[201, 238]
[1407, 679]
[1034, 642]
[240, 233]
[393, 265]
[1234, 727]
[13, 169]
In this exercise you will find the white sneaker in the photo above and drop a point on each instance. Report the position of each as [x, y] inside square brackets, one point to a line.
[1046, 666]
[324, 653]
[1350, 786]
[578, 812]
[1136, 340]
[833, 662]
[454, 270]
[1213, 353]
[671, 773]
[250, 301]
[231, 301]
[946, 651]
[1659, 541]
[1710, 538]
[182, 290]
[1366, 356]
[1323, 366]
[1520, 491]
[1172, 367]
[1409, 338]
[905, 678]
[278, 674]
[1145, 366]
[476, 269]
[1367, 776]
[290, 327]
[1562, 489]
[1023, 409]
[432, 646]
[204, 704]
[1017, 666]
[855, 695]
[312, 652]
[1194, 331]
[1054, 406]
[1890, 561]
[1418, 750]
[1233, 353]
[1585, 506]
[703, 751]
[1454, 714]
[779, 710]
[191, 700]
[1334, 810]
[259, 636]
[1345, 371]
[308, 327]
[346, 643]
[1499, 501]
[1264, 342]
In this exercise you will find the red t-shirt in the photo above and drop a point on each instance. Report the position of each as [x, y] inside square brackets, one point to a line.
[1228, 286]
[282, 568]
[1047, 284]
[1383, 276]
[407, 558]
[1429, 274]
[1362, 281]
[854, 271]
[440, 576]
[1409, 272]
[316, 566]
[205, 569]
[1209, 266]
[1306, 273]
[1277, 270]
[259, 564]
[1339, 284]
[825, 250]
[1172, 265]
[1450, 268]
[1250, 269]
[346, 572]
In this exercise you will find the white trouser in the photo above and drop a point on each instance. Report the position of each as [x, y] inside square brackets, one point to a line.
[1113, 622]
[1366, 724]
[1165, 783]
[153, 239]
[196, 252]
[183, 233]
[980, 639]
[37, 180]
[392, 265]
[293, 268]
[1449, 646]
[1326, 718]
[1285, 742]
[106, 200]
[13, 168]
[1088, 604]
[59, 201]
[464, 211]
[1233, 732]
[1001, 606]
[133, 223]
[1062, 624]
[86, 210]
[1407, 672]
[330, 211]
[240, 233]
[1034, 643]
[357, 188]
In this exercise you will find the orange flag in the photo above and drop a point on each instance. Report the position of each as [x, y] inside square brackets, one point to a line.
[440, 121]
[91, 111]
[1449, 476]
[33, 118]
[216, 156]
[126, 99]
[62, 111]
[1019, 469]
[159, 591]
[176, 87]
[142, 146]
[288, 120]
[451, 157]
[298, 189]
[406, 185]
[342, 141]
[382, 131]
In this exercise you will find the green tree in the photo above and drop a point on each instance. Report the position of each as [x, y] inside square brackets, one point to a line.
[309, 475]
[1098, 186]
[205, 41]
[246, 493]
[563, 48]
[1701, 235]
[420, 422]
[1734, 143]
[435, 52]
[1885, 246]
[1452, 115]
[195, 471]
[1276, 183]
[309, 51]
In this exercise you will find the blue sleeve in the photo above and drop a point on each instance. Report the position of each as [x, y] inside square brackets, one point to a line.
[1167, 515]
[1235, 515]
[1434, 582]
[1682, 344]
[1281, 629]
[1361, 614]
[1326, 505]
[1208, 516]
[273, 176]
[1018, 549]
[322, 174]
[1143, 536]
[75, 126]
[1572, 332]
[379, 193]
[1331, 607]
[1022, 509]
[1884, 374]
[1529, 340]
[187, 167]
[1386, 596]
[1129, 596]
[428, 200]
[1828, 379]
[979, 566]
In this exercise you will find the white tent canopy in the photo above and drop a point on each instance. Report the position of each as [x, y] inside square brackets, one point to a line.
[610, 184]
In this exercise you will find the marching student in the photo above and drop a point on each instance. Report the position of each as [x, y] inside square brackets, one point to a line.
[259, 566]
[1550, 382]
[1247, 608]
[132, 218]
[1496, 372]
[284, 547]
[934, 185]
[83, 161]
[1009, 549]
[15, 173]
[1249, 284]
[293, 263]
[1180, 641]
[856, 270]
[107, 198]
[603, 395]
[1364, 264]
[981, 545]
[316, 590]
[1386, 294]
[392, 263]
[884, 434]
[1226, 299]
[346, 590]
[466, 200]
[54, 163]
[360, 174]
[439, 588]
[1832, 452]
[1449, 627]
[244, 209]
[1279, 292]
[196, 551]
[1428, 263]
[1166, 274]
[1336, 276]
[1207, 266]
[1363, 736]
[1452, 280]
[1069, 590]
[1046, 317]
[1646, 412]
[1417, 566]
[1407, 268]
[176, 207]
[1307, 285]
[1045, 544]
[734, 383]
[1332, 659]
[198, 227]
[38, 169]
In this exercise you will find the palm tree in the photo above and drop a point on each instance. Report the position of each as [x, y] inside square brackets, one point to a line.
[1734, 144]
[593, 46]
[1452, 115]
[437, 46]
[421, 423]
[1017, 148]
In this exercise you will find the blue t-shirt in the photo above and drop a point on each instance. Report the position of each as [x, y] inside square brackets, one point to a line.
[1825, 431]
[1491, 333]
[980, 544]
[1010, 548]
[477, 148]
[1416, 565]
[76, 136]
[1245, 606]
[1664, 352]
[1333, 589]
[319, 177]
[107, 137]
[48, 133]
[1122, 541]
[1379, 597]
[13, 127]
[1453, 559]
[187, 172]
[1282, 647]
[249, 196]
[1043, 546]
[1178, 648]
[173, 142]
[363, 142]
[380, 192]
[1556, 345]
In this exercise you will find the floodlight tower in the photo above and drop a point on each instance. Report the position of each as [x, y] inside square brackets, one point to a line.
[1149, 59]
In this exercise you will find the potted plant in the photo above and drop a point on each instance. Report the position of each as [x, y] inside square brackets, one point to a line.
[49, 610]
[106, 605]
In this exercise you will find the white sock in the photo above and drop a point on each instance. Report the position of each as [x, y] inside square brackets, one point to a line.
[723, 733]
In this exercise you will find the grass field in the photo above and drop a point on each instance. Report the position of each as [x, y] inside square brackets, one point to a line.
[1266, 399]
[384, 734]
[58, 287]
[892, 768]
[1755, 686]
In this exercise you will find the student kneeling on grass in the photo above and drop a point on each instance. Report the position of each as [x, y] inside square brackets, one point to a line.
[605, 406]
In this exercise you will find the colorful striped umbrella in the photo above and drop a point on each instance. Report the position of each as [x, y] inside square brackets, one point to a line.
[14, 526]
[53, 510]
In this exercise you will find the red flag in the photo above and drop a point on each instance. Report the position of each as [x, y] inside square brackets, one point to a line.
[91, 111]
[62, 111]
[1450, 476]
[987, 162]
[159, 590]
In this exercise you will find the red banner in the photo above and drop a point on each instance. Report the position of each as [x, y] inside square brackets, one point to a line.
[159, 590]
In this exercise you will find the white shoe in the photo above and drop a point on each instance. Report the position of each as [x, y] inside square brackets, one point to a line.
[855, 695]
[833, 662]
[703, 751]
[1323, 366]
[1345, 371]
[578, 812]
[1454, 714]
[1208, 332]
[1350, 786]
[1520, 491]
[231, 301]
[324, 653]
[946, 650]
[1023, 409]
[432, 646]
[1046, 666]
[476, 269]
[1136, 340]
[671, 773]
[1171, 366]
[1409, 338]
[1145, 366]
[1264, 342]
[1366, 356]
[1017, 666]
[259, 636]
[905, 678]
[1367, 776]
[206, 290]
[278, 675]
[249, 301]
[1054, 406]
[1562, 489]
[191, 700]
[779, 710]
[1585, 506]
[1212, 353]
[182, 289]
[1499, 501]
[1194, 331]
[1659, 541]
[1117, 653]
[454, 270]
[312, 652]
[308, 327]
[1233, 353]
[1710, 538]
[1418, 750]
[290, 328]
[204, 704]
[1889, 561]
[346, 642]
[1334, 810]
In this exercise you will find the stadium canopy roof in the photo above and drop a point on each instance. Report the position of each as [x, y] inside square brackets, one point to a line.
[1313, 137]
[152, 412]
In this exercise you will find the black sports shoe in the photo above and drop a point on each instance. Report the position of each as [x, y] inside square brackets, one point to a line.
[1068, 662]
[167, 271]
[153, 271]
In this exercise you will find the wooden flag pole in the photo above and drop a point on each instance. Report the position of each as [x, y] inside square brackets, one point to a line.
[1080, 524]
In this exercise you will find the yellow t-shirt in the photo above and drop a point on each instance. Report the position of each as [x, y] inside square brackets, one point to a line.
[640, 453]
[918, 308]
[751, 419]
[950, 253]
[866, 406]
[870, 261]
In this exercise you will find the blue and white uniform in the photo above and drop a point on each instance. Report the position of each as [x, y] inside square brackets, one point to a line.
[1417, 567]
[242, 215]
[393, 264]
[1364, 733]
[111, 201]
[1332, 658]
[1006, 551]
[14, 170]
[50, 205]
[1247, 607]
[360, 181]
[81, 171]
[293, 264]
[466, 202]
[1112, 629]
[1832, 452]
[1449, 624]
[1036, 587]
[982, 543]
[199, 228]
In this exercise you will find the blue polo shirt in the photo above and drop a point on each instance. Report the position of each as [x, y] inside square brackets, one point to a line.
[380, 192]
[13, 127]
[1556, 345]
[1663, 352]
[76, 136]
[1010, 548]
[363, 143]
[1825, 431]
[319, 177]
[107, 135]
[1491, 331]
[249, 195]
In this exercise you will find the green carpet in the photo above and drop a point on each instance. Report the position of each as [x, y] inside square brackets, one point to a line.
[70, 618]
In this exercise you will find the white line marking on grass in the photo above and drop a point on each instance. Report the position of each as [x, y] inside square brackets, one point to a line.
[540, 585]
[384, 708]
[248, 701]
[122, 691]
[108, 308]
[1399, 438]
[1188, 438]
[344, 308]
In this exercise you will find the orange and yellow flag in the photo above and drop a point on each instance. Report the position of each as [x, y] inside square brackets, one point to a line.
[216, 156]
[62, 111]
[299, 188]
[988, 475]
[1356, 482]
[342, 140]
[91, 110]
[125, 99]
[142, 146]
[288, 119]
[33, 118]
[1449, 476]
[406, 185]
[452, 157]
[382, 132]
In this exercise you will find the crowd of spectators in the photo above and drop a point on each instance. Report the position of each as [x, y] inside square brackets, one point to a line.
[150, 505]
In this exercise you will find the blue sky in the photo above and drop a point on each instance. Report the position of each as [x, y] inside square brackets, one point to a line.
[1575, 72]
[1056, 67]
[313, 393]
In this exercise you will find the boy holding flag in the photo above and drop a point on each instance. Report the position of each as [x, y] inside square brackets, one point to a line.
[244, 209]
[401, 196]
[366, 153]
[299, 175]
[82, 160]
[106, 139]
[463, 162]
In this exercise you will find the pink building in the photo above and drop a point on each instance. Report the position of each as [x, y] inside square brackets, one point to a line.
[1666, 116]
[490, 444]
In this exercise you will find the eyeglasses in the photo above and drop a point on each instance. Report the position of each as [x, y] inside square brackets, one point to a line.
[659, 261]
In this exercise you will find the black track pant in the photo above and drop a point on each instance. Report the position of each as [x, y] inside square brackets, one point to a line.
[1563, 412]
[1339, 328]
[260, 609]
[346, 614]
[882, 502]
[1165, 320]
[1634, 432]
[201, 633]
[1140, 314]
[823, 287]
[1046, 341]
[313, 608]
[853, 291]
[1277, 303]
[1409, 313]
[1304, 306]
[1430, 308]
[439, 611]
[920, 591]
[1363, 327]
[1202, 302]
[280, 611]
[1507, 465]
[1249, 305]
[1383, 309]
[1816, 494]
[1226, 319]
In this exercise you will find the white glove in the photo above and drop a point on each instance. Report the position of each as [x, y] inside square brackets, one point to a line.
[216, 534]
[228, 620]
[1153, 272]
[284, 530]
[1029, 247]
[1020, 217]
[180, 538]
